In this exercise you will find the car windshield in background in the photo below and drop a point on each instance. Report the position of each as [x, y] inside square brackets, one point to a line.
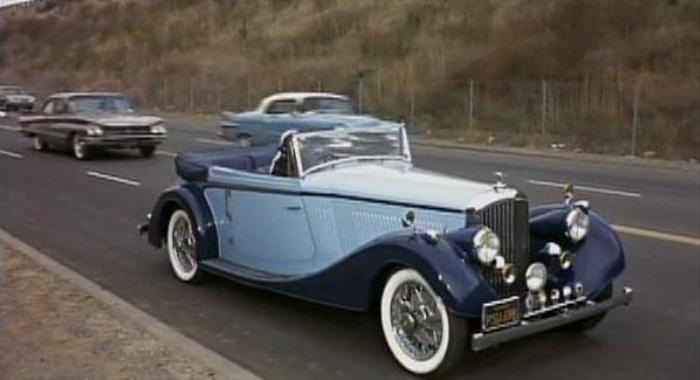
[327, 104]
[109, 104]
[12, 91]
[316, 149]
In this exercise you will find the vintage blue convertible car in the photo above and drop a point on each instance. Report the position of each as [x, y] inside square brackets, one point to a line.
[301, 111]
[342, 218]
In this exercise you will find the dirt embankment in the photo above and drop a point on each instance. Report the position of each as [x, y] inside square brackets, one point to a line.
[50, 329]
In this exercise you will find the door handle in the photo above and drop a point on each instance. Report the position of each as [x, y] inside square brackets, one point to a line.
[294, 208]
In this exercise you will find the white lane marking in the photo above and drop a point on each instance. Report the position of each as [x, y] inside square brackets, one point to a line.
[561, 185]
[166, 153]
[217, 142]
[10, 128]
[659, 235]
[113, 178]
[11, 154]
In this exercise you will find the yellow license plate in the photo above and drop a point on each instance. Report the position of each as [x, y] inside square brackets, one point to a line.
[500, 314]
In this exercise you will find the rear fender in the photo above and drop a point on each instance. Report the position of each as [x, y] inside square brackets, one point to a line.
[191, 198]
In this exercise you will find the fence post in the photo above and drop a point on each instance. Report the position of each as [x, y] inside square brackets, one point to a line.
[471, 103]
[544, 107]
[360, 91]
[165, 93]
[191, 94]
[635, 118]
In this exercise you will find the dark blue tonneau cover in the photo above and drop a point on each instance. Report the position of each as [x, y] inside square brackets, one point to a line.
[194, 166]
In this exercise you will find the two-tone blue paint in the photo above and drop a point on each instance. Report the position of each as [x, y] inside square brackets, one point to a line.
[334, 236]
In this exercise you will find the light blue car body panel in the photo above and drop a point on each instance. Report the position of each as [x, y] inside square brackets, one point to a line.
[315, 223]
[263, 128]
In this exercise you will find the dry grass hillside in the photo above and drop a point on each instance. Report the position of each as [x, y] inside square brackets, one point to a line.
[521, 72]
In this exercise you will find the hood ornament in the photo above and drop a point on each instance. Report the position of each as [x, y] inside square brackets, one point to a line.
[568, 193]
[499, 185]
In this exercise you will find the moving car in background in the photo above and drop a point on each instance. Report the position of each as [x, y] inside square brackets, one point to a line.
[301, 111]
[342, 218]
[15, 98]
[87, 121]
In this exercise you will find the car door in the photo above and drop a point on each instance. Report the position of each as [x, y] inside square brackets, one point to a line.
[261, 221]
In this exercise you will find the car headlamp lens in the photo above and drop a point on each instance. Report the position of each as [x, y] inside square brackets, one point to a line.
[577, 223]
[486, 245]
[536, 277]
[95, 131]
[158, 129]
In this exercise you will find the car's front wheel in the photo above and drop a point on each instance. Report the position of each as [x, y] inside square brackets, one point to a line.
[421, 334]
[39, 143]
[79, 148]
[181, 245]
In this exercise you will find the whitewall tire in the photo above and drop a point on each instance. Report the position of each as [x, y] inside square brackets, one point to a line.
[39, 143]
[419, 331]
[79, 148]
[181, 245]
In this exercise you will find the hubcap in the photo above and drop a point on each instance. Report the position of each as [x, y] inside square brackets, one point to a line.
[78, 147]
[416, 321]
[184, 245]
[38, 145]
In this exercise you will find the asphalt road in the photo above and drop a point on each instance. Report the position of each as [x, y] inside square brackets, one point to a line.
[70, 211]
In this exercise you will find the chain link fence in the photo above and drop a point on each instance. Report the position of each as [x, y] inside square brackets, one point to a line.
[620, 117]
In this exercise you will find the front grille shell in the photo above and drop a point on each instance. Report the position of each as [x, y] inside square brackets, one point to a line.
[508, 218]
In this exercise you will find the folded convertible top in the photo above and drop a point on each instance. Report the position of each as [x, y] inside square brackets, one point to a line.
[194, 166]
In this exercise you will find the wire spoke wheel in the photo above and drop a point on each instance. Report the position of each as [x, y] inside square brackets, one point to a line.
[417, 328]
[182, 246]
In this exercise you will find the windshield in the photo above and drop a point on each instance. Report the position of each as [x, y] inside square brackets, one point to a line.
[110, 104]
[12, 91]
[327, 104]
[319, 149]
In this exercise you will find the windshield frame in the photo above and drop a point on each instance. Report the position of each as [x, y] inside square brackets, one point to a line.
[404, 146]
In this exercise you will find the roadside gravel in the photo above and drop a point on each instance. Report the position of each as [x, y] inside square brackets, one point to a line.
[50, 329]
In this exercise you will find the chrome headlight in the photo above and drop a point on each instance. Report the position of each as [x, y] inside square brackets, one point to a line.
[536, 277]
[94, 131]
[577, 222]
[159, 129]
[486, 245]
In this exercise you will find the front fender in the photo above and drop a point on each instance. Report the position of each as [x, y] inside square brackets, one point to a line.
[598, 260]
[191, 198]
[356, 282]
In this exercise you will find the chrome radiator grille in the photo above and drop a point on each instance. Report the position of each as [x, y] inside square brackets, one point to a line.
[509, 220]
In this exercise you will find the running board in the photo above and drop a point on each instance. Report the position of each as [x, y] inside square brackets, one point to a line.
[226, 268]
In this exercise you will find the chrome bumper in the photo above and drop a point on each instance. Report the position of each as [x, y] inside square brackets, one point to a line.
[125, 140]
[481, 341]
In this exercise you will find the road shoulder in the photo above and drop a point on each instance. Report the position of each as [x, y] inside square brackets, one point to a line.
[58, 324]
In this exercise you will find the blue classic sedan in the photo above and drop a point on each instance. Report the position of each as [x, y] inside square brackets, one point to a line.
[301, 111]
[342, 217]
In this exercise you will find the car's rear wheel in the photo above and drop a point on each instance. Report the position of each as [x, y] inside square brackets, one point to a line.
[39, 143]
[421, 334]
[79, 148]
[182, 247]
[589, 323]
[147, 151]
